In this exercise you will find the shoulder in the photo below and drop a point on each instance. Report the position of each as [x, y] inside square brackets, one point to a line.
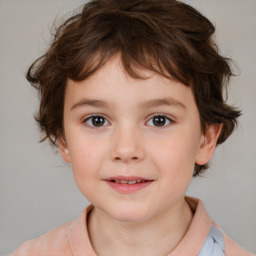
[224, 244]
[55, 241]
[216, 234]
[233, 249]
[67, 240]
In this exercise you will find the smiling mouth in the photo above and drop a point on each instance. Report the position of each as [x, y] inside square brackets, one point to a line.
[130, 184]
[129, 181]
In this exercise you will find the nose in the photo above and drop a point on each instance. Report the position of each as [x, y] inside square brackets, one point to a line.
[127, 145]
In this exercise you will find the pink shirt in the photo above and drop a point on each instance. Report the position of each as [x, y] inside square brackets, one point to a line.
[72, 238]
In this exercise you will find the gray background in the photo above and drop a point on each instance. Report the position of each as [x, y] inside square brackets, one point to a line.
[37, 191]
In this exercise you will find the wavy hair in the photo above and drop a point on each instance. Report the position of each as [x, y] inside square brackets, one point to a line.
[167, 37]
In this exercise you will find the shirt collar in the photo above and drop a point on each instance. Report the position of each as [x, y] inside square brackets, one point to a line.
[191, 243]
[198, 230]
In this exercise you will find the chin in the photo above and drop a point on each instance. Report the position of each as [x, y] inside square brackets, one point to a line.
[129, 214]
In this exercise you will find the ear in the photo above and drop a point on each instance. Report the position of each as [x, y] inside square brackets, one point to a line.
[63, 148]
[208, 144]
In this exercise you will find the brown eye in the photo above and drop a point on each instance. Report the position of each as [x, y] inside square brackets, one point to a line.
[159, 121]
[96, 121]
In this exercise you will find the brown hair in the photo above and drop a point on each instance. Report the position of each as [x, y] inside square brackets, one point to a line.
[168, 37]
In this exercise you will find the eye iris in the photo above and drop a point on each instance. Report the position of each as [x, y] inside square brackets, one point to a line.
[159, 121]
[97, 121]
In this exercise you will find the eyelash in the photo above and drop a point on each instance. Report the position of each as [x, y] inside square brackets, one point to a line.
[168, 119]
[90, 118]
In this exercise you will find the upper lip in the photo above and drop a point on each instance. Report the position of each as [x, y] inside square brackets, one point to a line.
[127, 178]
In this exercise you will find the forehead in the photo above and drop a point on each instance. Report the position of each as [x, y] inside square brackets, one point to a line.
[113, 84]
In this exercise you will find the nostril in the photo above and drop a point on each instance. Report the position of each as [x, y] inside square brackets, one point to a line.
[126, 153]
[127, 159]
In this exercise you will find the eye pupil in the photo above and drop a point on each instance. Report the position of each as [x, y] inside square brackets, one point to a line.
[97, 121]
[159, 121]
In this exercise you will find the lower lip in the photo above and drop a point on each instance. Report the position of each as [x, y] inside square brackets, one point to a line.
[129, 188]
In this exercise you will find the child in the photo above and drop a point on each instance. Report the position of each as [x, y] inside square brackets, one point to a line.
[131, 93]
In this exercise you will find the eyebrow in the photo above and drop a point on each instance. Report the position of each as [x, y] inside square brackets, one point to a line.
[162, 102]
[90, 102]
[146, 104]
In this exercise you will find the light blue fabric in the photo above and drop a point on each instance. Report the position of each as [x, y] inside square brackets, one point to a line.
[214, 244]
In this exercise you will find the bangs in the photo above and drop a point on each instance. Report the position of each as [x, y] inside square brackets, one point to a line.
[140, 45]
[166, 37]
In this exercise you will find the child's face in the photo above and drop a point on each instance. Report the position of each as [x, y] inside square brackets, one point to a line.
[126, 142]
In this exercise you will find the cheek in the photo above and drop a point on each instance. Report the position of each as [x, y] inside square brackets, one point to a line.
[86, 166]
[86, 159]
[175, 156]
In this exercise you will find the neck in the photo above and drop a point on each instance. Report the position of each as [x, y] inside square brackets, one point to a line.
[156, 236]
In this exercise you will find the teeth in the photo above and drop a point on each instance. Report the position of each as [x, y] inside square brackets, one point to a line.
[132, 182]
[128, 182]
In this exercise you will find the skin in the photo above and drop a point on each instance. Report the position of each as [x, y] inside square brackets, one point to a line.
[152, 220]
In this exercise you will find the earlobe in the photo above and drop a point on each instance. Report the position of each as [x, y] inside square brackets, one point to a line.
[208, 144]
[63, 149]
